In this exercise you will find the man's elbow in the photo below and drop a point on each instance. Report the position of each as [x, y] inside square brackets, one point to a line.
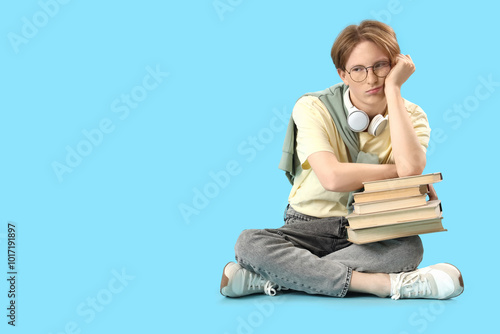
[410, 170]
[412, 167]
[334, 183]
[330, 186]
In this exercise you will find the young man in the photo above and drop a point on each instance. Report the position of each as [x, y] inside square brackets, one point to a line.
[331, 135]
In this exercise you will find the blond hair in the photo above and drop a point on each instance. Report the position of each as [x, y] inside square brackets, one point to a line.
[368, 30]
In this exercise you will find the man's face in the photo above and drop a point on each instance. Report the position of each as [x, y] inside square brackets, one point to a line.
[369, 93]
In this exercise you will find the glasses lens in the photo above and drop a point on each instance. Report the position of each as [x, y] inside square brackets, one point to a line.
[382, 69]
[358, 73]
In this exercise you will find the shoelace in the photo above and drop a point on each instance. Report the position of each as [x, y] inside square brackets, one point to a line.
[411, 285]
[257, 282]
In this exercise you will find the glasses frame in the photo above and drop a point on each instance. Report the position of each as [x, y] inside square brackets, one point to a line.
[366, 70]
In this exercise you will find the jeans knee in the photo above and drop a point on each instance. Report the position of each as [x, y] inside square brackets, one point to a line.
[245, 243]
[417, 247]
[413, 251]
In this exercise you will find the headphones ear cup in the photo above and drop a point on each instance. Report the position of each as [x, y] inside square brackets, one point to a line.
[377, 125]
[358, 120]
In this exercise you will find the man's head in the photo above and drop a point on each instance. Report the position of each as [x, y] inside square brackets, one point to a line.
[363, 56]
[374, 31]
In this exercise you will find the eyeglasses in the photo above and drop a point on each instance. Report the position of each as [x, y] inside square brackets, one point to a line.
[359, 73]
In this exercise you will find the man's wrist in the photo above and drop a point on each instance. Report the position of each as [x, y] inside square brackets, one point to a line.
[391, 171]
[392, 92]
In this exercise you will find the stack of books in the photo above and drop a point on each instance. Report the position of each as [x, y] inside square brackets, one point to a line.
[395, 208]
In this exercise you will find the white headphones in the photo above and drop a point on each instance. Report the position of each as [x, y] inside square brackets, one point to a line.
[358, 120]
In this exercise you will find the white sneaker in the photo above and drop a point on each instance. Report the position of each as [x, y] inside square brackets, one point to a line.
[440, 281]
[237, 282]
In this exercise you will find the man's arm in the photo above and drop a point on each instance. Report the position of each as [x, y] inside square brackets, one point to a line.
[344, 177]
[409, 156]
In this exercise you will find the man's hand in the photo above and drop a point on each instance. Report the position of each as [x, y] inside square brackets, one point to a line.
[400, 72]
[432, 193]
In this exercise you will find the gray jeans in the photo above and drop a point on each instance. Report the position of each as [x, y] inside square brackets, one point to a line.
[312, 254]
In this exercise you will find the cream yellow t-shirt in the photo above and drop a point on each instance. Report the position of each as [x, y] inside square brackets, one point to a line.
[316, 132]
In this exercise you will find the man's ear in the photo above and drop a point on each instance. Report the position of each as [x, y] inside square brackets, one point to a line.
[343, 75]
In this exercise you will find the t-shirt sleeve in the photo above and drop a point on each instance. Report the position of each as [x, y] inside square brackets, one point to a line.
[312, 135]
[420, 124]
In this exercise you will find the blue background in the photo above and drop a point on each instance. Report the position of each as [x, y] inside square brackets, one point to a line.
[105, 248]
